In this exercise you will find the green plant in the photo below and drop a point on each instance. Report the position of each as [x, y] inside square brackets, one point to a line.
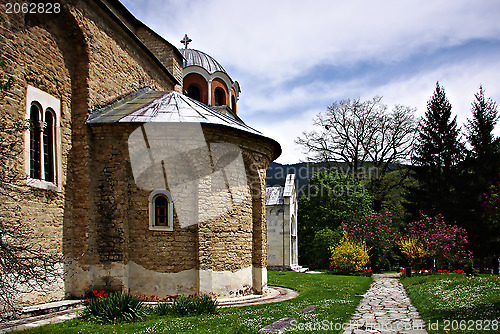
[331, 198]
[469, 269]
[323, 240]
[162, 308]
[113, 308]
[189, 305]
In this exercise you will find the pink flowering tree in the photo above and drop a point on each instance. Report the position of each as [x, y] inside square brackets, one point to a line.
[378, 231]
[445, 242]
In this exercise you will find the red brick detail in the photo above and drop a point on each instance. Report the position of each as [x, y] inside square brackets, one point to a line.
[219, 83]
[198, 81]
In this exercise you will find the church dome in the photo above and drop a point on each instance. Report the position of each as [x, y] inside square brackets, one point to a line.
[198, 58]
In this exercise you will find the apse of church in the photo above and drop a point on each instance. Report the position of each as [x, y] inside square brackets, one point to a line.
[140, 187]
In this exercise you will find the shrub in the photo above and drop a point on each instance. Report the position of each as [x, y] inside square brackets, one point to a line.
[193, 305]
[376, 229]
[113, 308]
[380, 233]
[414, 250]
[323, 240]
[469, 269]
[445, 242]
[163, 308]
[349, 255]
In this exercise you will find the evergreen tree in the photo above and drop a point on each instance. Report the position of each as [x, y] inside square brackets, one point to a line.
[484, 147]
[438, 151]
[480, 168]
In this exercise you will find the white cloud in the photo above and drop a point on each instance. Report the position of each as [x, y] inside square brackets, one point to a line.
[271, 46]
[285, 131]
[278, 40]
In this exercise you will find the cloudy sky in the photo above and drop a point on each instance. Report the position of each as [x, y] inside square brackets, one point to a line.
[294, 58]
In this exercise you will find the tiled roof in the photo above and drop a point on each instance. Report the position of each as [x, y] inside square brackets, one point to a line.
[149, 106]
[274, 196]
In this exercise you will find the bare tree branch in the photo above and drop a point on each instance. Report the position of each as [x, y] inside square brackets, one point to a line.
[362, 133]
[25, 266]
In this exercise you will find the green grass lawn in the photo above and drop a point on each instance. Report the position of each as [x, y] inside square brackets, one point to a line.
[337, 297]
[454, 303]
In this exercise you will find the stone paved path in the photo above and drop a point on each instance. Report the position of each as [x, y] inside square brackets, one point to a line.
[386, 309]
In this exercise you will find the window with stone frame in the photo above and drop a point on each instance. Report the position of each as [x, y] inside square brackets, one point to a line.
[42, 140]
[161, 211]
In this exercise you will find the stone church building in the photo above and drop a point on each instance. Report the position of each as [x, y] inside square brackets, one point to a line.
[138, 169]
[282, 243]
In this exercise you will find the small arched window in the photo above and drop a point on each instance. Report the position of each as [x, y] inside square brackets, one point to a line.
[49, 133]
[42, 140]
[219, 96]
[194, 93]
[233, 104]
[161, 211]
[35, 142]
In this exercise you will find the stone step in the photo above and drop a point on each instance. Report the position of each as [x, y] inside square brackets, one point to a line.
[299, 269]
[30, 311]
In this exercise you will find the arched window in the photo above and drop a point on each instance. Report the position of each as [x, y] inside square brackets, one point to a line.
[233, 104]
[42, 140]
[49, 132]
[161, 211]
[35, 142]
[219, 96]
[194, 93]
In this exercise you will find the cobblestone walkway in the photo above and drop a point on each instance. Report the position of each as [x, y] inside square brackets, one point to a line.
[386, 309]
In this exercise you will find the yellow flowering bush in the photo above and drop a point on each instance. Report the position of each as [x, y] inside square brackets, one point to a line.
[415, 250]
[349, 255]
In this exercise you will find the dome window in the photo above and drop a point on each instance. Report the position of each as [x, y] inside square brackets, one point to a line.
[194, 93]
[220, 97]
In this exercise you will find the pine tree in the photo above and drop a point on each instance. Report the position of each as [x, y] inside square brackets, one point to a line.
[480, 168]
[480, 128]
[438, 151]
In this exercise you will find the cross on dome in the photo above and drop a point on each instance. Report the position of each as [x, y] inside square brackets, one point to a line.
[186, 40]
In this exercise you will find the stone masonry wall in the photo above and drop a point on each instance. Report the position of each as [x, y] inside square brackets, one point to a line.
[275, 235]
[222, 238]
[165, 52]
[35, 56]
[116, 67]
[81, 57]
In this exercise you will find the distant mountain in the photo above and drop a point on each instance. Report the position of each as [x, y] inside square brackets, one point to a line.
[276, 174]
